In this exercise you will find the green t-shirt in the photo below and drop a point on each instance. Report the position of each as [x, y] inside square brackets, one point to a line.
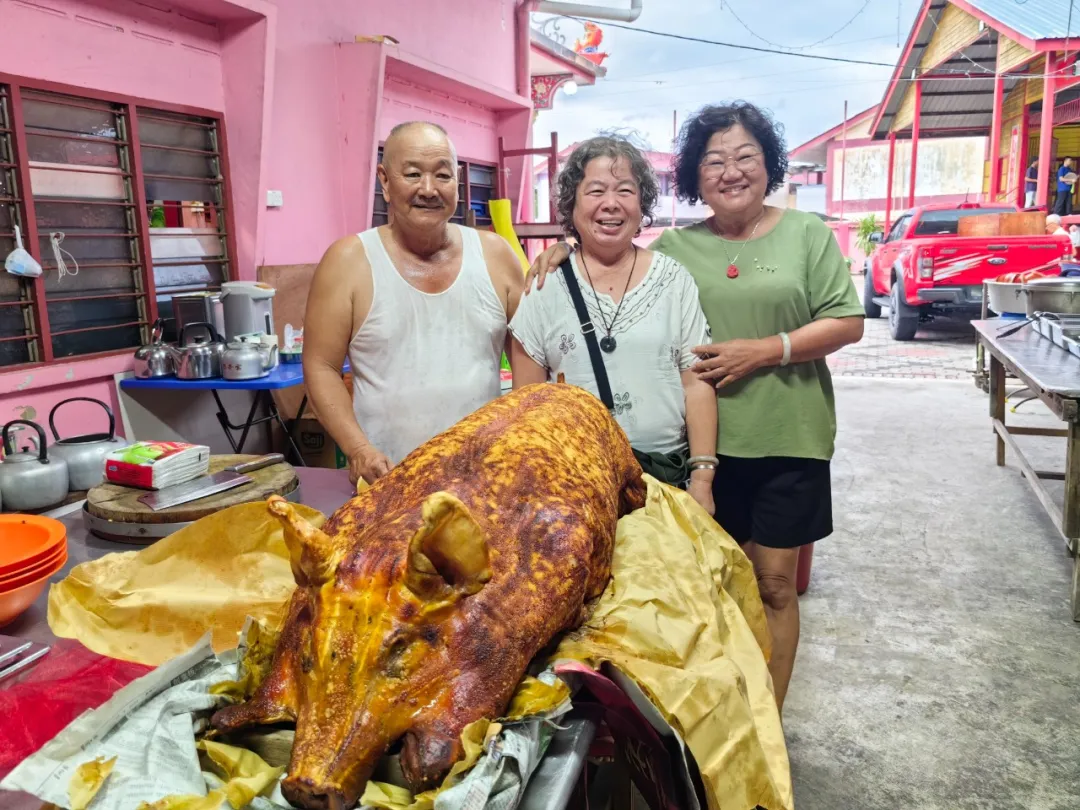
[793, 275]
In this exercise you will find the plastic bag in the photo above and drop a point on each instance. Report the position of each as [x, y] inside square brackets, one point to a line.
[19, 262]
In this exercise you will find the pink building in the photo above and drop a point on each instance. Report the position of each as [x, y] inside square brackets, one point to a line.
[179, 144]
[842, 174]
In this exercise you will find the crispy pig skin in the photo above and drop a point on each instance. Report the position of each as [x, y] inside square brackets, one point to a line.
[422, 601]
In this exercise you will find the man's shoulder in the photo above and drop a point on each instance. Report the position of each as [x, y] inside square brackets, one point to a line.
[346, 250]
[497, 247]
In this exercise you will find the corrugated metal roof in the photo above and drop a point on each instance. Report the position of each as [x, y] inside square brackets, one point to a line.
[1035, 19]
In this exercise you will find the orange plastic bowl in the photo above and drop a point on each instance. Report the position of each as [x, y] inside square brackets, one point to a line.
[36, 570]
[27, 540]
[19, 597]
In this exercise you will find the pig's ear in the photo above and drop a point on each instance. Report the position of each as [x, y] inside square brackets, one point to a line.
[311, 551]
[449, 553]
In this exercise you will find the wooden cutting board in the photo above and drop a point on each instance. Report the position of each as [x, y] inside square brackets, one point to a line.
[114, 502]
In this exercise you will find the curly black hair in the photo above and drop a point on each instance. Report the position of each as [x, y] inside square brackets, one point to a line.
[694, 137]
[574, 172]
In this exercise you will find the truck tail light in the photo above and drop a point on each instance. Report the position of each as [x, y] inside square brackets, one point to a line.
[926, 268]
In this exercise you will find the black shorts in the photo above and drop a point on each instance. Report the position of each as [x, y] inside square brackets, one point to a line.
[777, 502]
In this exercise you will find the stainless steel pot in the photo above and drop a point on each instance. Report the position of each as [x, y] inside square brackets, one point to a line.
[32, 480]
[85, 455]
[1058, 295]
[246, 358]
[155, 359]
[199, 358]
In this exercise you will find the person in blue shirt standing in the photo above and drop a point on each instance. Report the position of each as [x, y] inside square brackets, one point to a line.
[1063, 205]
[1031, 183]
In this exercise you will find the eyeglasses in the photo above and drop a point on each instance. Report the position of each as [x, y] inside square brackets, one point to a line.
[745, 164]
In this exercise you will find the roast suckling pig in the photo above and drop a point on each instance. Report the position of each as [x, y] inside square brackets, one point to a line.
[421, 602]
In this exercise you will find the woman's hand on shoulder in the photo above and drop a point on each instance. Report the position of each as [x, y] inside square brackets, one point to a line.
[546, 262]
[721, 364]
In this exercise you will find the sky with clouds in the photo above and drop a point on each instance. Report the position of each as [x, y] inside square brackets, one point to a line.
[649, 77]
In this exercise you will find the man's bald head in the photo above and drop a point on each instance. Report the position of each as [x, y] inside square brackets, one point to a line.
[416, 136]
[419, 176]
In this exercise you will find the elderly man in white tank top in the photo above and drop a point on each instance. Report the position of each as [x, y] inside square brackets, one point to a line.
[421, 306]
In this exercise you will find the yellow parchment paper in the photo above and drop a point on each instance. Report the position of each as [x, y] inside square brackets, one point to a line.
[152, 605]
[681, 616]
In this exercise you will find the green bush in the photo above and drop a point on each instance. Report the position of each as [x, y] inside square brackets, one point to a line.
[867, 225]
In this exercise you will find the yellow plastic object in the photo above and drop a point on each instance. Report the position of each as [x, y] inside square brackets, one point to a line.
[681, 616]
[504, 227]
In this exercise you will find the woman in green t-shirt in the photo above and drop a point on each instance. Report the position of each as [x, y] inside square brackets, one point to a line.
[778, 297]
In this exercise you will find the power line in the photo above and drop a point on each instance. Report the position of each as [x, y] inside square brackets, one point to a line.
[684, 38]
[640, 77]
[838, 31]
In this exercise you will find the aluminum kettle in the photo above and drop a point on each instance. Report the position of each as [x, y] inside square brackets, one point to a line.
[199, 358]
[85, 455]
[31, 480]
[155, 359]
[246, 358]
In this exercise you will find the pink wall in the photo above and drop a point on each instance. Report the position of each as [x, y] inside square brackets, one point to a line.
[475, 40]
[303, 106]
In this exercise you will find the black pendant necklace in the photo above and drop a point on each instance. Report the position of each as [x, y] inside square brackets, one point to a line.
[607, 342]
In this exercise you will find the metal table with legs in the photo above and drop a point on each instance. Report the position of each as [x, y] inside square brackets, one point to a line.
[1052, 375]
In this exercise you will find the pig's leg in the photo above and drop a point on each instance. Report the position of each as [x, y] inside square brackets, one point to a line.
[275, 700]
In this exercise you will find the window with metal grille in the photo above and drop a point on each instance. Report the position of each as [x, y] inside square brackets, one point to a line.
[123, 206]
[476, 186]
[18, 332]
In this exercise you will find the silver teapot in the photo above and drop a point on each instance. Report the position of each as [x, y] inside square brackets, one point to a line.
[155, 359]
[247, 358]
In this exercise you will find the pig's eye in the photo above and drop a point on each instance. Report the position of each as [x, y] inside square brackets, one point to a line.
[397, 647]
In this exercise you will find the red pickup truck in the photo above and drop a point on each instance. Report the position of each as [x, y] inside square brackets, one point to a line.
[922, 268]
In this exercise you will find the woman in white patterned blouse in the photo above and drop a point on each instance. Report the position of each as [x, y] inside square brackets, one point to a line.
[644, 309]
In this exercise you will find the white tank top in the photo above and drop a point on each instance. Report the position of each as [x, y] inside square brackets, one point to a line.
[421, 362]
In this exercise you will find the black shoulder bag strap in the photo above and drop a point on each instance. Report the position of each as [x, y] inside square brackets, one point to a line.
[589, 331]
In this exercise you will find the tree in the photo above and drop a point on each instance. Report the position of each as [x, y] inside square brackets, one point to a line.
[867, 225]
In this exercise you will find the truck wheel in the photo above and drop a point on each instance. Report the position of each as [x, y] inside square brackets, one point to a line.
[903, 319]
[871, 309]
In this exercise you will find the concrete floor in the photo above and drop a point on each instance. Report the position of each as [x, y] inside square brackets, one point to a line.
[939, 667]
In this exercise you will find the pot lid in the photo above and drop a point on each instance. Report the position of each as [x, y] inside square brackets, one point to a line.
[21, 457]
[1065, 285]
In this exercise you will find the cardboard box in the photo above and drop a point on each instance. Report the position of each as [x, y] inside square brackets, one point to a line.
[317, 447]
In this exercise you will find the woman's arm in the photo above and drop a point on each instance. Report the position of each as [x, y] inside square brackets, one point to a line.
[724, 363]
[525, 370]
[546, 262]
[701, 433]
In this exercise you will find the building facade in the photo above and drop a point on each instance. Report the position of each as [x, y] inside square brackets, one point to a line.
[153, 148]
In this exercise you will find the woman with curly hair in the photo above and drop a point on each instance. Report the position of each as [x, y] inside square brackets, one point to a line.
[622, 322]
[778, 297]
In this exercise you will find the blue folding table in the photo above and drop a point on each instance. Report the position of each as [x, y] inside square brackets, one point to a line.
[285, 375]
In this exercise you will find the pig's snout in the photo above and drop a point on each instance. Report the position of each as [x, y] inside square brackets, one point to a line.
[307, 793]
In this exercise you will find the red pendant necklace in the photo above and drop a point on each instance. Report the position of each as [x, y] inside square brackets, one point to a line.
[733, 268]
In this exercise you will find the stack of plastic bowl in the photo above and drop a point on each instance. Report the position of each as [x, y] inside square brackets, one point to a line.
[32, 549]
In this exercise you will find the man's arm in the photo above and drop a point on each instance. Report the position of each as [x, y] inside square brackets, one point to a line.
[506, 274]
[341, 284]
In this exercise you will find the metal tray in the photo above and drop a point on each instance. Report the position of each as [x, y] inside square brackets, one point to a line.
[145, 534]
[1062, 330]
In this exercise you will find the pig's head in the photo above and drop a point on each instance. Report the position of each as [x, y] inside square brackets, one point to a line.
[371, 655]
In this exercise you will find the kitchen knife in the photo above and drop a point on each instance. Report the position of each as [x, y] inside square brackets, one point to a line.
[207, 485]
